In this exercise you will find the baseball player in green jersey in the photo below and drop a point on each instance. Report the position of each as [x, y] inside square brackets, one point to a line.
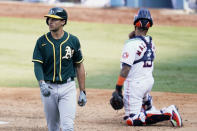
[57, 61]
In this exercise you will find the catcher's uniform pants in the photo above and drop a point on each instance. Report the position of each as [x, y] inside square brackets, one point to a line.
[134, 93]
[60, 106]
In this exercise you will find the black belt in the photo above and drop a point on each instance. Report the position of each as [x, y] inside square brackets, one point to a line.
[62, 82]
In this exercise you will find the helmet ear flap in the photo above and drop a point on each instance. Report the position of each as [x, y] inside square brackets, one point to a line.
[143, 23]
[138, 24]
[148, 24]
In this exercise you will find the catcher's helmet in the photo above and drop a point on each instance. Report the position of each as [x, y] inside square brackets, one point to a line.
[143, 18]
[57, 13]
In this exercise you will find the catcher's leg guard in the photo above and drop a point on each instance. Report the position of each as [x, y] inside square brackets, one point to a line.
[148, 117]
[147, 102]
[154, 118]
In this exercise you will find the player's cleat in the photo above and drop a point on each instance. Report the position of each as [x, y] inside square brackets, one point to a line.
[129, 122]
[175, 118]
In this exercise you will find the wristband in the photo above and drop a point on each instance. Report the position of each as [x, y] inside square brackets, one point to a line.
[120, 81]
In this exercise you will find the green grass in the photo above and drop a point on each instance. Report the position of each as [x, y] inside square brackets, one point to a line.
[175, 64]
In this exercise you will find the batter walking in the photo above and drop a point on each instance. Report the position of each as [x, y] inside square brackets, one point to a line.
[57, 61]
[136, 76]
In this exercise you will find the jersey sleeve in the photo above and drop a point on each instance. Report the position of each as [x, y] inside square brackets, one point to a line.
[77, 56]
[38, 71]
[37, 54]
[128, 53]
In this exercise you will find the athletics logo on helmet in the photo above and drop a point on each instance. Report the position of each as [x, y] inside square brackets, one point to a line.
[143, 19]
[57, 13]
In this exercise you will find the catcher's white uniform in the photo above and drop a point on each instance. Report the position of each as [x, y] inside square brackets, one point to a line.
[139, 55]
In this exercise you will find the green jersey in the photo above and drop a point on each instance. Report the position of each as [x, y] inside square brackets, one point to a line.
[58, 57]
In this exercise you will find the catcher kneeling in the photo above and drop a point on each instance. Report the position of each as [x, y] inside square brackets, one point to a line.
[137, 64]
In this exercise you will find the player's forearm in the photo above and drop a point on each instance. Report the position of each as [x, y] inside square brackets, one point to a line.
[38, 71]
[81, 76]
[123, 75]
[125, 71]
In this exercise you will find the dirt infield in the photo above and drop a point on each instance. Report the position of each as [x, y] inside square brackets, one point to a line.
[22, 107]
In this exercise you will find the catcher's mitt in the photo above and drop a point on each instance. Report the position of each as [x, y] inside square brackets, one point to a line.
[117, 100]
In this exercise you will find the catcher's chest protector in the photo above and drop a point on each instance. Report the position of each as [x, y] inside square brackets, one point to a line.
[148, 55]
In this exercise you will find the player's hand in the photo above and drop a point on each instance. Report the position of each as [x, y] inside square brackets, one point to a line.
[82, 98]
[132, 34]
[44, 88]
